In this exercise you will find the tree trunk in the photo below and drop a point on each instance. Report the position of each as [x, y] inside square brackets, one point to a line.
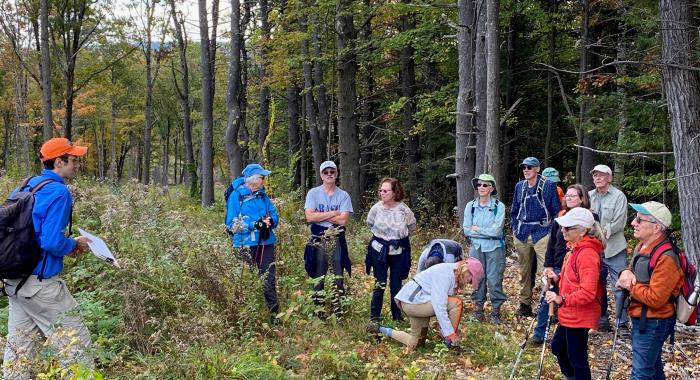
[368, 106]
[408, 91]
[292, 99]
[166, 154]
[150, 81]
[243, 134]
[264, 102]
[45, 69]
[682, 88]
[621, 69]
[550, 82]
[586, 159]
[233, 124]
[493, 125]
[464, 125]
[320, 89]
[113, 139]
[507, 165]
[184, 97]
[348, 141]
[480, 94]
[317, 144]
[207, 109]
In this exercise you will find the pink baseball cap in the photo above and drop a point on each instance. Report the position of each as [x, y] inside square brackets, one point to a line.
[476, 270]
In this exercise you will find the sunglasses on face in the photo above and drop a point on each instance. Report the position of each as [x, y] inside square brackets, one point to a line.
[567, 229]
[526, 167]
[640, 220]
[328, 172]
[483, 185]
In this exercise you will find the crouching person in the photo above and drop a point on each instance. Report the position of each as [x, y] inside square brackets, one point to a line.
[431, 293]
[580, 292]
[651, 290]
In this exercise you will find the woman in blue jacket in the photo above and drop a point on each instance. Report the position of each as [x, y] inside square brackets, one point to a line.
[483, 225]
[251, 219]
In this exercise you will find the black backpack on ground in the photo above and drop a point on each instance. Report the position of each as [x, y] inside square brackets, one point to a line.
[19, 249]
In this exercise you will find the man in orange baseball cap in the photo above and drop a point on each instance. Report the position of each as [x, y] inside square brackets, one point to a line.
[40, 301]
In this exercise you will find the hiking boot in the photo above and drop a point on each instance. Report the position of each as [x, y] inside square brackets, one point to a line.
[524, 311]
[604, 326]
[496, 317]
[535, 341]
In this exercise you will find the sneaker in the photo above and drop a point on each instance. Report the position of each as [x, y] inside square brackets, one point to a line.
[524, 311]
[535, 341]
[604, 326]
[624, 326]
[496, 318]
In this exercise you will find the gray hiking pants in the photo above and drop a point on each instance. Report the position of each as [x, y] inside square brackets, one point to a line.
[43, 309]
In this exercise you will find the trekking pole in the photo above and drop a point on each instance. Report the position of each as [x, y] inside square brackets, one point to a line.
[527, 333]
[546, 333]
[620, 310]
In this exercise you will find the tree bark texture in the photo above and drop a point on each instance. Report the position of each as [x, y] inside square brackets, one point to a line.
[682, 87]
[480, 76]
[465, 99]
[586, 159]
[45, 69]
[493, 95]
[348, 141]
[408, 91]
[233, 123]
[207, 109]
[264, 102]
[184, 97]
[621, 69]
[317, 144]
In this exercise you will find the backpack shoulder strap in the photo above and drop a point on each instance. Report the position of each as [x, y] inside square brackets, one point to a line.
[540, 188]
[41, 184]
[664, 248]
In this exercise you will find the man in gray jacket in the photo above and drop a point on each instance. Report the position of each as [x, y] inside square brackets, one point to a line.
[611, 206]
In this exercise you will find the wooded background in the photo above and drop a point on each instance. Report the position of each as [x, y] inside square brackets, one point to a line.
[432, 92]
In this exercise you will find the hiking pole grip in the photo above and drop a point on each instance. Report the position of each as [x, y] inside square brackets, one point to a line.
[551, 309]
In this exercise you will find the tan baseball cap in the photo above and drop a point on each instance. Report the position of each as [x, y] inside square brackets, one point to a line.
[602, 168]
[658, 210]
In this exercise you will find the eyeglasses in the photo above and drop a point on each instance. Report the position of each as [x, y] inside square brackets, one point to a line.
[384, 191]
[526, 167]
[571, 196]
[328, 172]
[640, 220]
[567, 229]
[483, 185]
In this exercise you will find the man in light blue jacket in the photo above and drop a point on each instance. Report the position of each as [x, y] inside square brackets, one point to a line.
[251, 219]
[483, 225]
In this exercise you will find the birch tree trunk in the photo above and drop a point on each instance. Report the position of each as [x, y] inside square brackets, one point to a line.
[682, 87]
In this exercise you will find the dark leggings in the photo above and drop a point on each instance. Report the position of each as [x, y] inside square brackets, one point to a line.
[338, 291]
[392, 266]
[570, 346]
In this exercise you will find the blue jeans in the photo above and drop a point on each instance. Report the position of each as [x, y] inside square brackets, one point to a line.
[570, 346]
[543, 311]
[646, 347]
[494, 263]
[610, 269]
[380, 269]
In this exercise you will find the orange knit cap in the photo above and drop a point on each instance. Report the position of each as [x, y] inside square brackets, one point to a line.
[58, 146]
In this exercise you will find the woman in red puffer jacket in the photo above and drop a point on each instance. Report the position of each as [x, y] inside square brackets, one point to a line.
[580, 292]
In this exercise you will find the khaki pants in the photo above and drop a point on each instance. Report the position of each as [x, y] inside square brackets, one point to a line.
[43, 309]
[527, 252]
[419, 315]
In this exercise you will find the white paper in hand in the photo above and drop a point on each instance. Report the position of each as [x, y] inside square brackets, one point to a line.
[99, 248]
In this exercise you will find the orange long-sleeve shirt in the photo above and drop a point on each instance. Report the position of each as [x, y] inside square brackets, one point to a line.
[666, 280]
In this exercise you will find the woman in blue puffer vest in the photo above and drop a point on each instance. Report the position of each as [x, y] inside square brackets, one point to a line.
[251, 219]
